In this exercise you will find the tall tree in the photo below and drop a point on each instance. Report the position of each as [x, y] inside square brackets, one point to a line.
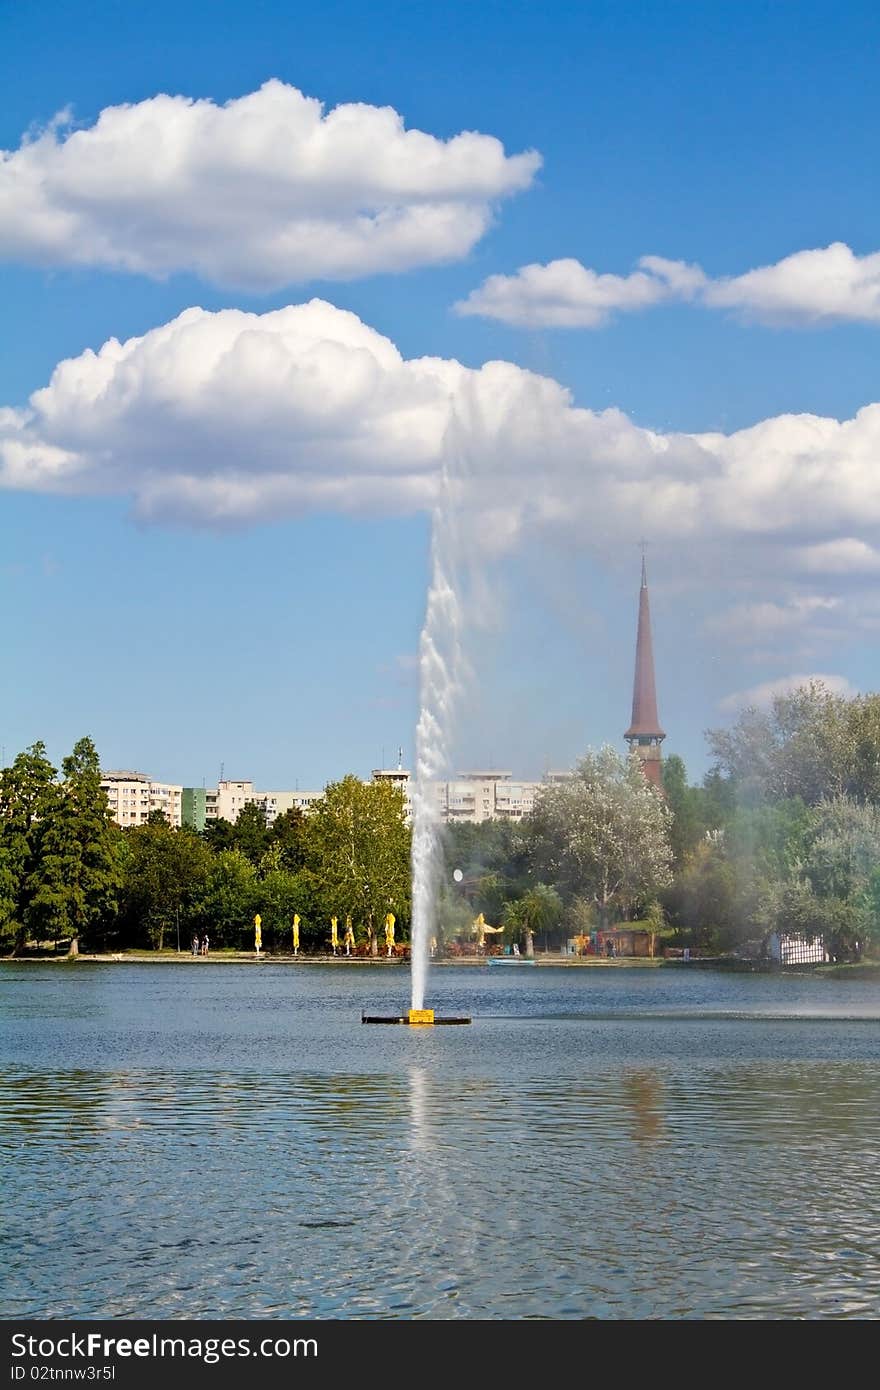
[287, 835]
[251, 836]
[603, 833]
[810, 743]
[684, 802]
[219, 834]
[75, 884]
[358, 846]
[28, 796]
[279, 894]
[164, 869]
[702, 901]
[841, 866]
[227, 899]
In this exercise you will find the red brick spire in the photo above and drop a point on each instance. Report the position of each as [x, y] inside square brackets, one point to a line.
[644, 733]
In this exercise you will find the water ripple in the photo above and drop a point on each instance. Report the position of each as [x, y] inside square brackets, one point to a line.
[674, 1167]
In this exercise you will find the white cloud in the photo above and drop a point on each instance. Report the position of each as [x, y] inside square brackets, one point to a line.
[566, 294]
[828, 285]
[232, 417]
[844, 556]
[264, 191]
[762, 696]
[753, 624]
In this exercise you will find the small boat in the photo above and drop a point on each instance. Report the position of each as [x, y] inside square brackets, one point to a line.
[511, 960]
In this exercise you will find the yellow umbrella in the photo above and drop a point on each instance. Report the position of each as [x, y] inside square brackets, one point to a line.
[258, 931]
[482, 927]
[389, 931]
[296, 931]
[334, 933]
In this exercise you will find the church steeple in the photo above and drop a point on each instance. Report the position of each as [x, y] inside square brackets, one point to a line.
[644, 733]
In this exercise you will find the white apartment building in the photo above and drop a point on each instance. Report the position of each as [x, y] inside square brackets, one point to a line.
[231, 797]
[470, 797]
[475, 796]
[398, 777]
[131, 797]
[485, 795]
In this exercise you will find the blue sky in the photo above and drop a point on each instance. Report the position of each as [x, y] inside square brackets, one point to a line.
[280, 642]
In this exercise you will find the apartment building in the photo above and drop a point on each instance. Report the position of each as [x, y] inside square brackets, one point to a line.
[201, 805]
[476, 796]
[131, 797]
[471, 797]
[485, 795]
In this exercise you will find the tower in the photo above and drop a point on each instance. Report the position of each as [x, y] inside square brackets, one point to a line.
[644, 733]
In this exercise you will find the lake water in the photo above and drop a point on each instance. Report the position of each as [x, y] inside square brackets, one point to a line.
[201, 1140]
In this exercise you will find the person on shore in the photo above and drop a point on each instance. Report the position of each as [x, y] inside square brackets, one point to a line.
[195, 945]
[205, 944]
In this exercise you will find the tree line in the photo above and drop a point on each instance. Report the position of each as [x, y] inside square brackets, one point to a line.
[69, 872]
[783, 833]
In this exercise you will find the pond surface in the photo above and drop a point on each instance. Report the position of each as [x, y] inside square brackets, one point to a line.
[201, 1140]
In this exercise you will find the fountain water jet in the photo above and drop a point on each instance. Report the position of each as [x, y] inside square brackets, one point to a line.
[441, 671]
[441, 667]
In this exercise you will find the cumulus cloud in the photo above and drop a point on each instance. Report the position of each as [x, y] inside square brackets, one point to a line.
[844, 556]
[566, 294]
[828, 285]
[264, 191]
[753, 624]
[229, 417]
[762, 696]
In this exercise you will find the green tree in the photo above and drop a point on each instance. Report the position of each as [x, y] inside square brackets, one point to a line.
[8, 897]
[603, 834]
[537, 912]
[278, 894]
[684, 802]
[288, 837]
[717, 800]
[219, 835]
[227, 899]
[74, 886]
[358, 847]
[842, 847]
[702, 901]
[28, 796]
[810, 743]
[490, 893]
[840, 865]
[251, 835]
[164, 871]
[871, 909]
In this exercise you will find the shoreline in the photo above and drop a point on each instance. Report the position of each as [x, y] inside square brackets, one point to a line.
[251, 958]
[855, 969]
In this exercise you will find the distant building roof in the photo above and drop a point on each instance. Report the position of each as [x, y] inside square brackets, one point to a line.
[486, 776]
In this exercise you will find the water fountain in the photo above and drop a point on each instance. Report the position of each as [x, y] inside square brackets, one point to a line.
[440, 679]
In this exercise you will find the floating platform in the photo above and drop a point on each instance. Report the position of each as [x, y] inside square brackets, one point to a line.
[416, 1017]
[511, 960]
